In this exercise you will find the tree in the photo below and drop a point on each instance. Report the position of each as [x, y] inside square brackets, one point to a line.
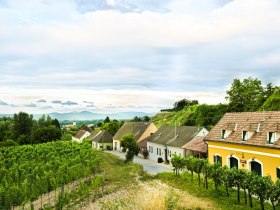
[274, 193]
[107, 120]
[246, 95]
[178, 163]
[216, 174]
[56, 123]
[261, 187]
[23, 123]
[46, 134]
[112, 127]
[273, 102]
[129, 145]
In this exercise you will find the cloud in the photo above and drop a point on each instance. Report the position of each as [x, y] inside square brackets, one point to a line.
[69, 103]
[30, 105]
[91, 106]
[88, 102]
[56, 102]
[42, 101]
[3, 103]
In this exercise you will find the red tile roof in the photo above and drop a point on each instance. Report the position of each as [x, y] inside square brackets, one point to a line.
[197, 144]
[257, 123]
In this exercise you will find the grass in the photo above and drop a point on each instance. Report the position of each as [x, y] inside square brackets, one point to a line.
[218, 197]
[118, 173]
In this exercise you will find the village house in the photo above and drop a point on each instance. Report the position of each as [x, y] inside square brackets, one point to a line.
[80, 136]
[247, 140]
[169, 140]
[140, 131]
[101, 140]
[197, 147]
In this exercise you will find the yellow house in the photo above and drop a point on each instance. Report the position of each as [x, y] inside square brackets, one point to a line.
[247, 140]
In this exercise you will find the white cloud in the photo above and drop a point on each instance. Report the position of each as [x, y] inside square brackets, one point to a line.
[181, 46]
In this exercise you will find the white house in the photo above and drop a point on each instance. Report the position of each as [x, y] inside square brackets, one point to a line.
[80, 136]
[140, 131]
[101, 140]
[169, 140]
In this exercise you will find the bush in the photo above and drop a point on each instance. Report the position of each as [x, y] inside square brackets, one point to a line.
[145, 153]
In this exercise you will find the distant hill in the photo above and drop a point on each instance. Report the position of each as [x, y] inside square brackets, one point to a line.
[85, 115]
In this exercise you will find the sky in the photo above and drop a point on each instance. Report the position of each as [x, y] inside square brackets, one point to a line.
[111, 56]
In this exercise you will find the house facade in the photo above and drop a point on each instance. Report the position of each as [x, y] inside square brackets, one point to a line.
[169, 140]
[101, 140]
[247, 140]
[140, 131]
[80, 136]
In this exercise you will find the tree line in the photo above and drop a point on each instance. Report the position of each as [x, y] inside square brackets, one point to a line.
[23, 129]
[249, 182]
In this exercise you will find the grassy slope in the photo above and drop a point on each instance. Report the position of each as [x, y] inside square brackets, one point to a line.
[169, 118]
[218, 197]
[124, 190]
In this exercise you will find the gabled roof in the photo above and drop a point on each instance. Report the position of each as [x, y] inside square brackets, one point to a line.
[101, 136]
[143, 143]
[257, 123]
[80, 134]
[166, 135]
[197, 144]
[135, 128]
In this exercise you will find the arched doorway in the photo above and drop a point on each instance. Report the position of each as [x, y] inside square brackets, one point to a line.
[233, 162]
[256, 167]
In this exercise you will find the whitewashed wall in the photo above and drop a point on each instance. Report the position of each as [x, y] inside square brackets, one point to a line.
[170, 151]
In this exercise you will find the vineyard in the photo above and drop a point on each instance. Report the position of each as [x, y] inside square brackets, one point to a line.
[26, 172]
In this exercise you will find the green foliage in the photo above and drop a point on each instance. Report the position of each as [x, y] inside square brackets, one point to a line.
[247, 95]
[171, 200]
[141, 119]
[112, 126]
[145, 153]
[178, 163]
[262, 186]
[8, 143]
[273, 102]
[46, 134]
[23, 123]
[107, 120]
[181, 104]
[130, 146]
[29, 171]
[207, 115]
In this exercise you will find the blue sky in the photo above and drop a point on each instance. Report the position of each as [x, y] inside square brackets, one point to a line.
[124, 55]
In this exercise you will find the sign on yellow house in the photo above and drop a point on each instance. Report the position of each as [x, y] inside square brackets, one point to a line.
[247, 140]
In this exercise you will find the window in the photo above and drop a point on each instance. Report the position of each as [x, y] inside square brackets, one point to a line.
[256, 167]
[223, 134]
[150, 149]
[278, 173]
[244, 135]
[218, 159]
[271, 137]
[157, 151]
[170, 153]
[233, 162]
